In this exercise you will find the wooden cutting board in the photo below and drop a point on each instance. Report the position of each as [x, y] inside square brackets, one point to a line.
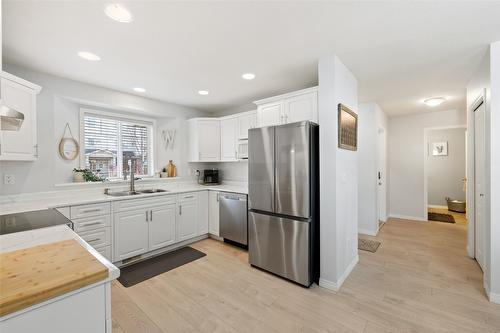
[36, 274]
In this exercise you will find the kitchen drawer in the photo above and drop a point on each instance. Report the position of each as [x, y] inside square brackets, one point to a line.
[187, 196]
[97, 238]
[91, 223]
[90, 210]
[132, 204]
[105, 251]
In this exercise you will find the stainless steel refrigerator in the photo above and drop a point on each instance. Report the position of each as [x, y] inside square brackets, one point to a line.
[283, 224]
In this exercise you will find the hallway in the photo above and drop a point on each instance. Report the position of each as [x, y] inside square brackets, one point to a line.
[420, 280]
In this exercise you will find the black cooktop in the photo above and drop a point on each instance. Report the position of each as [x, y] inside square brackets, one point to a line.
[32, 220]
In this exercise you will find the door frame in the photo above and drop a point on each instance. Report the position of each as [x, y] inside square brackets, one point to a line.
[471, 157]
[382, 131]
[426, 155]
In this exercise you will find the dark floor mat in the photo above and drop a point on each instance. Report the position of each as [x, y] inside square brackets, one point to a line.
[441, 217]
[149, 268]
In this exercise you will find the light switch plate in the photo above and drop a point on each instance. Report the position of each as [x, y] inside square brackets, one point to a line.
[9, 179]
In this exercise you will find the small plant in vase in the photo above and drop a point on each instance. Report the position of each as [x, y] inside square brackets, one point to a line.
[85, 175]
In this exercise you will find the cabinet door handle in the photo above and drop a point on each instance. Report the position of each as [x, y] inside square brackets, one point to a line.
[36, 150]
[189, 197]
[151, 215]
[93, 240]
[90, 223]
[147, 216]
[180, 209]
[91, 210]
[218, 197]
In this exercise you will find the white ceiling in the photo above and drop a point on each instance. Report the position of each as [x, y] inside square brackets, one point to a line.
[401, 52]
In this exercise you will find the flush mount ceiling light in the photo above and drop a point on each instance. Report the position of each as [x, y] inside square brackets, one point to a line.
[118, 13]
[139, 90]
[203, 92]
[434, 101]
[248, 76]
[89, 56]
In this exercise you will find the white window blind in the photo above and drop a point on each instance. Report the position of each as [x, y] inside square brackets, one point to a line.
[111, 144]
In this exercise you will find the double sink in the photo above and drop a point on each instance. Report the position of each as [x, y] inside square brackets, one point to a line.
[127, 193]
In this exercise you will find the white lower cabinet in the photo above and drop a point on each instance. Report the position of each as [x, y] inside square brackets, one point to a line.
[203, 212]
[213, 213]
[131, 233]
[187, 225]
[162, 226]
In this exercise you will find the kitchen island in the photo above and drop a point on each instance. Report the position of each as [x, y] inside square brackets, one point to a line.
[51, 280]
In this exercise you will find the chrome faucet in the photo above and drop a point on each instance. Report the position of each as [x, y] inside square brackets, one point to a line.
[132, 176]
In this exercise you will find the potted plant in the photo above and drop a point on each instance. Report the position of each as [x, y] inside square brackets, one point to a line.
[85, 175]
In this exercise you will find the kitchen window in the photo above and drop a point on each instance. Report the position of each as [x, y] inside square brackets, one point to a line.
[111, 142]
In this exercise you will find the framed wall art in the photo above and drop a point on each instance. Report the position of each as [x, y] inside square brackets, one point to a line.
[348, 128]
[439, 148]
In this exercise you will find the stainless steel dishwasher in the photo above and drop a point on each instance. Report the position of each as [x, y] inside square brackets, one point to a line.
[233, 215]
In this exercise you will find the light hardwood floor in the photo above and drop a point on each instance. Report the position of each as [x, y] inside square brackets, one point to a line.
[420, 280]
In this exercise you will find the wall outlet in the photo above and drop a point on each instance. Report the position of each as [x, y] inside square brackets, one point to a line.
[9, 179]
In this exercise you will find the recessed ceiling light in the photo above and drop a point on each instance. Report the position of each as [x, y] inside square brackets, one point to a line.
[140, 90]
[203, 92]
[434, 101]
[118, 13]
[248, 76]
[89, 56]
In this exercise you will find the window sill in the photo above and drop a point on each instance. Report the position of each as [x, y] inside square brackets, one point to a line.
[117, 182]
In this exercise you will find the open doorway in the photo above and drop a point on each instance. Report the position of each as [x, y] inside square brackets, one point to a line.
[445, 174]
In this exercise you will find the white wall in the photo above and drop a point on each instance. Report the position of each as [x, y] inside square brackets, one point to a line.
[486, 80]
[406, 152]
[338, 176]
[494, 234]
[445, 173]
[370, 120]
[59, 102]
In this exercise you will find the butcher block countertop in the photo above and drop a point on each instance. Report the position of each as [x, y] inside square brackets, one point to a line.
[35, 274]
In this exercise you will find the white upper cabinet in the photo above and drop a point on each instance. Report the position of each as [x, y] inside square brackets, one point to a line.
[288, 108]
[228, 138]
[204, 139]
[20, 95]
[246, 121]
[270, 114]
[302, 107]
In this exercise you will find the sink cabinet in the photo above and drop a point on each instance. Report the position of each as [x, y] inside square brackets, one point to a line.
[131, 233]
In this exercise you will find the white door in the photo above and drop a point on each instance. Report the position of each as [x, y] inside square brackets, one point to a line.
[131, 233]
[161, 226]
[302, 107]
[19, 145]
[209, 140]
[270, 114]
[479, 185]
[382, 175]
[187, 223]
[228, 128]
[246, 122]
[213, 213]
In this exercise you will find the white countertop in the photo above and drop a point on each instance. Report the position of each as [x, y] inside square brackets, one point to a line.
[18, 203]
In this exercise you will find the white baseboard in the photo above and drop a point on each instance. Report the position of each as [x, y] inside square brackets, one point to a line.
[335, 286]
[437, 206]
[493, 297]
[367, 232]
[407, 217]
